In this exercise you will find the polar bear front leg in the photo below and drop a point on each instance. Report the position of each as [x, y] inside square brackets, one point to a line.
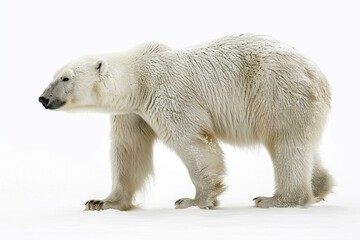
[204, 161]
[131, 161]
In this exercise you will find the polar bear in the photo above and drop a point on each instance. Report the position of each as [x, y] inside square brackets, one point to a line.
[242, 90]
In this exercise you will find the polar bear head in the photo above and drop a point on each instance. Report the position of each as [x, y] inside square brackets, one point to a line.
[106, 83]
[75, 85]
[83, 83]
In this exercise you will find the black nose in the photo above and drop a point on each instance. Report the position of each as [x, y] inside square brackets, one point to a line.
[44, 101]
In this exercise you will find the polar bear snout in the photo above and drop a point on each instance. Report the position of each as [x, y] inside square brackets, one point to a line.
[44, 101]
[54, 104]
[54, 96]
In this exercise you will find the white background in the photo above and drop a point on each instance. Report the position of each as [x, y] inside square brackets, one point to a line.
[52, 162]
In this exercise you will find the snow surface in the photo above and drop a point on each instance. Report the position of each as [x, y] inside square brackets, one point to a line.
[322, 222]
[51, 163]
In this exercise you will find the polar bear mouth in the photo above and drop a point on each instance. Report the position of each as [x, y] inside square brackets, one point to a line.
[55, 104]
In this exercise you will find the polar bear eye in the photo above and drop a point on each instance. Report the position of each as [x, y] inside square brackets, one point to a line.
[65, 79]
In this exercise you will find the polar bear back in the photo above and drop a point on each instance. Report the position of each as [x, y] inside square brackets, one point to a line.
[250, 88]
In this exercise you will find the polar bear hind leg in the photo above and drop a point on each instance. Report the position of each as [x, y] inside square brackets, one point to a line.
[293, 164]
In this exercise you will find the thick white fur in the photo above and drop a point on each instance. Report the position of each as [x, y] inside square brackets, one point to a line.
[242, 90]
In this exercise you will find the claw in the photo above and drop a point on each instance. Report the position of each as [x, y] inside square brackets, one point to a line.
[93, 205]
[178, 202]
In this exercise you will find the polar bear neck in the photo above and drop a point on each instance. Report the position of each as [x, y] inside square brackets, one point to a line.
[123, 89]
[117, 89]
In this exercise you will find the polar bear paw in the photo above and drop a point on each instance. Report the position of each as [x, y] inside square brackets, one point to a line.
[97, 205]
[187, 202]
[94, 205]
[269, 202]
[184, 203]
[278, 202]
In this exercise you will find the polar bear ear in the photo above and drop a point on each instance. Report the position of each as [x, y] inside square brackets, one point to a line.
[101, 66]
